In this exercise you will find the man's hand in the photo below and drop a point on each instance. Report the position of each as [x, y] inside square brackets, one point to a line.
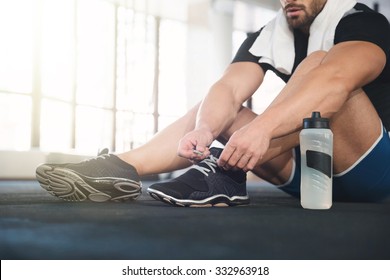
[244, 148]
[194, 145]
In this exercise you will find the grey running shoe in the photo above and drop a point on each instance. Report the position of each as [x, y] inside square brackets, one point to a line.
[204, 185]
[103, 178]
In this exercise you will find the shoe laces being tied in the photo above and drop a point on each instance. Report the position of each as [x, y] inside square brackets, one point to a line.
[207, 165]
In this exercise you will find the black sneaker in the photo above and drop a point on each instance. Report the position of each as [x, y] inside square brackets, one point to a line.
[204, 185]
[103, 178]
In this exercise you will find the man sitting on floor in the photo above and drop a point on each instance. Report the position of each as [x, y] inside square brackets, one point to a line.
[333, 56]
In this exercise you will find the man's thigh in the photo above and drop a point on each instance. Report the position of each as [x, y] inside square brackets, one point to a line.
[356, 127]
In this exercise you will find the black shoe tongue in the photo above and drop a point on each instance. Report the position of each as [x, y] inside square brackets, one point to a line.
[237, 175]
[194, 179]
[216, 152]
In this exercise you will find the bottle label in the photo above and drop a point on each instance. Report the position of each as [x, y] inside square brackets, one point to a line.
[319, 161]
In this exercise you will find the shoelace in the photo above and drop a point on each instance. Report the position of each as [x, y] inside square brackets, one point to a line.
[105, 151]
[211, 162]
[101, 156]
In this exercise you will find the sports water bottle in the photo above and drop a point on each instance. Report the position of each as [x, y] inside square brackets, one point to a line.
[316, 144]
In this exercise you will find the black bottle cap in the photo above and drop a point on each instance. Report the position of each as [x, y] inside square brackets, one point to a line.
[316, 121]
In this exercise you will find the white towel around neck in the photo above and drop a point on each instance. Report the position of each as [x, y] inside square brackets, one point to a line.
[275, 44]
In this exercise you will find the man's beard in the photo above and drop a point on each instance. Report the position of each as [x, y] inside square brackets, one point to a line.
[302, 22]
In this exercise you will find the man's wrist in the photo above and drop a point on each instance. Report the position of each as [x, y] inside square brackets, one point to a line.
[265, 125]
[206, 130]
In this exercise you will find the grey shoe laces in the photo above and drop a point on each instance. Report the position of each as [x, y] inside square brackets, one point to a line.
[211, 163]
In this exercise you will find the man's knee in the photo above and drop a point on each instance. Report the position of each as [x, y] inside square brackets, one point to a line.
[278, 170]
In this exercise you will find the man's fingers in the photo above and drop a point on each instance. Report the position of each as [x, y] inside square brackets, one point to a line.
[225, 156]
[186, 150]
[251, 163]
[234, 157]
[243, 161]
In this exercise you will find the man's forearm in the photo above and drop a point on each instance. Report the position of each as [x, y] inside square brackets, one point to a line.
[218, 110]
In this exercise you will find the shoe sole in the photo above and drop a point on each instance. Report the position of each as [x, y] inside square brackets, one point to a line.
[70, 186]
[213, 201]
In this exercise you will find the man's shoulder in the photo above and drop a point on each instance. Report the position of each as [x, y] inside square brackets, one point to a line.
[362, 12]
[365, 24]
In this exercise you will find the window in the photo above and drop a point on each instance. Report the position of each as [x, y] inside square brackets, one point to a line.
[136, 55]
[86, 74]
[172, 86]
[15, 121]
[16, 55]
[56, 78]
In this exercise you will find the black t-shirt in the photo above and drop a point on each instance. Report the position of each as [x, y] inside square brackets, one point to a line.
[362, 25]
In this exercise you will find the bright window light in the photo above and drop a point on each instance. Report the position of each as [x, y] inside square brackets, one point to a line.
[56, 125]
[16, 47]
[15, 122]
[95, 53]
[136, 53]
[58, 49]
[85, 68]
[133, 130]
[93, 129]
[172, 62]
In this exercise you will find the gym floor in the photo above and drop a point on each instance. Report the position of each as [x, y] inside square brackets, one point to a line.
[36, 225]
